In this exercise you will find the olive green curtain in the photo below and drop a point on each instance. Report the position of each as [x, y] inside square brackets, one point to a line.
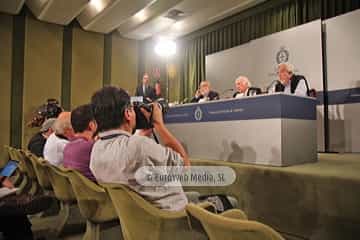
[267, 18]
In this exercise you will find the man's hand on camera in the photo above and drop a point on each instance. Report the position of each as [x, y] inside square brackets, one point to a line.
[157, 115]
[166, 137]
[146, 113]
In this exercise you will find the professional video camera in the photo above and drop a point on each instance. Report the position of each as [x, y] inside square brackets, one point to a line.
[141, 121]
[51, 109]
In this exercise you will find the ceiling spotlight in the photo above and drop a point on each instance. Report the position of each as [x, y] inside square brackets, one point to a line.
[178, 25]
[97, 4]
[165, 48]
[141, 15]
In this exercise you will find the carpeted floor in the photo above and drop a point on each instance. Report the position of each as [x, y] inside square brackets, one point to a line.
[318, 201]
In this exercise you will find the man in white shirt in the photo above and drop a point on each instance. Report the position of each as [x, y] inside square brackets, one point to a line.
[55, 144]
[242, 85]
[118, 154]
[291, 83]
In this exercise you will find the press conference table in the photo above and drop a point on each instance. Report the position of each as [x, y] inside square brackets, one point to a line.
[276, 129]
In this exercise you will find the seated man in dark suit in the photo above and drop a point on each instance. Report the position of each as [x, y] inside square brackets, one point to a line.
[204, 93]
[37, 142]
[291, 83]
[145, 90]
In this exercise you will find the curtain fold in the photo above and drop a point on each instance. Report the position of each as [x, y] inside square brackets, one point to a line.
[267, 18]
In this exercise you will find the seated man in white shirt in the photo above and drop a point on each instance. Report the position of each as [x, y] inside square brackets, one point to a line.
[55, 144]
[118, 154]
[242, 85]
[289, 82]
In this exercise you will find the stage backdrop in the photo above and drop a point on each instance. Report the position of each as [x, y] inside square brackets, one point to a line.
[259, 58]
[343, 64]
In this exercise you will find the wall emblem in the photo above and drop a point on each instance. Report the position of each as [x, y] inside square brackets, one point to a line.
[198, 114]
[282, 55]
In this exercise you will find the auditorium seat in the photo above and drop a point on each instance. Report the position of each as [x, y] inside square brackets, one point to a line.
[29, 171]
[16, 178]
[231, 225]
[25, 181]
[63, 192]
[94, 203]
[141, 220]
[41, 173]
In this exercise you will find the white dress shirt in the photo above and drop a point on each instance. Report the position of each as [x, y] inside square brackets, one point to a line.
[54, 149]
[117, 156]
[240, 95]
[301, 89]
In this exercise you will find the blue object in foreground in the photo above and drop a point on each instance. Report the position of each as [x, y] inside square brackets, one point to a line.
[9, 169]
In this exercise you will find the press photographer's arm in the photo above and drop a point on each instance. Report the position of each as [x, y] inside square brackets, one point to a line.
[167, 138]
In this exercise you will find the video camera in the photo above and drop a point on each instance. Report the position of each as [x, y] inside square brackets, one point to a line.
[141, 121]
[51, 109]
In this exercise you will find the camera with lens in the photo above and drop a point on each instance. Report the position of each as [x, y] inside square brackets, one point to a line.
[141, 121]
[51, 109]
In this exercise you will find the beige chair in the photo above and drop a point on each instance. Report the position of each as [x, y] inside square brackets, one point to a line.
[40, 171]
[20, 178]
[29, 170]
[17, 178]
[140, 220]
[63, 192]
[231, 225]
[94, 203]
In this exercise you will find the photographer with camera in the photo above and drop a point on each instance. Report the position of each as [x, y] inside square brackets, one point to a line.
[118, 154]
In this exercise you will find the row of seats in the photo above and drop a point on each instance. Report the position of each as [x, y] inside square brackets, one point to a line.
[108, 204]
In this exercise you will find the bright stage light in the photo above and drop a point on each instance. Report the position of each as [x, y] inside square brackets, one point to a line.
[165, 48]
[97, 4]
[141, 15]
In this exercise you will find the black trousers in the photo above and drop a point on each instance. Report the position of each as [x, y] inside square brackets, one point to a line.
[14, 225]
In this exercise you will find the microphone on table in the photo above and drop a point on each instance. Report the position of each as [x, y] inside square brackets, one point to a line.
[272, 84]
[185, 100]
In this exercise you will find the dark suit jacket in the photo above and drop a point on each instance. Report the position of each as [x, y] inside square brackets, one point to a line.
[212, 96]
[150, 92]
[36, 144]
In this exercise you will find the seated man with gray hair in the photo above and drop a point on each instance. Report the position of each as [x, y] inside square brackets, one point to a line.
[289, 82]
[242, 85]
[55, 144]
[204, 93]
